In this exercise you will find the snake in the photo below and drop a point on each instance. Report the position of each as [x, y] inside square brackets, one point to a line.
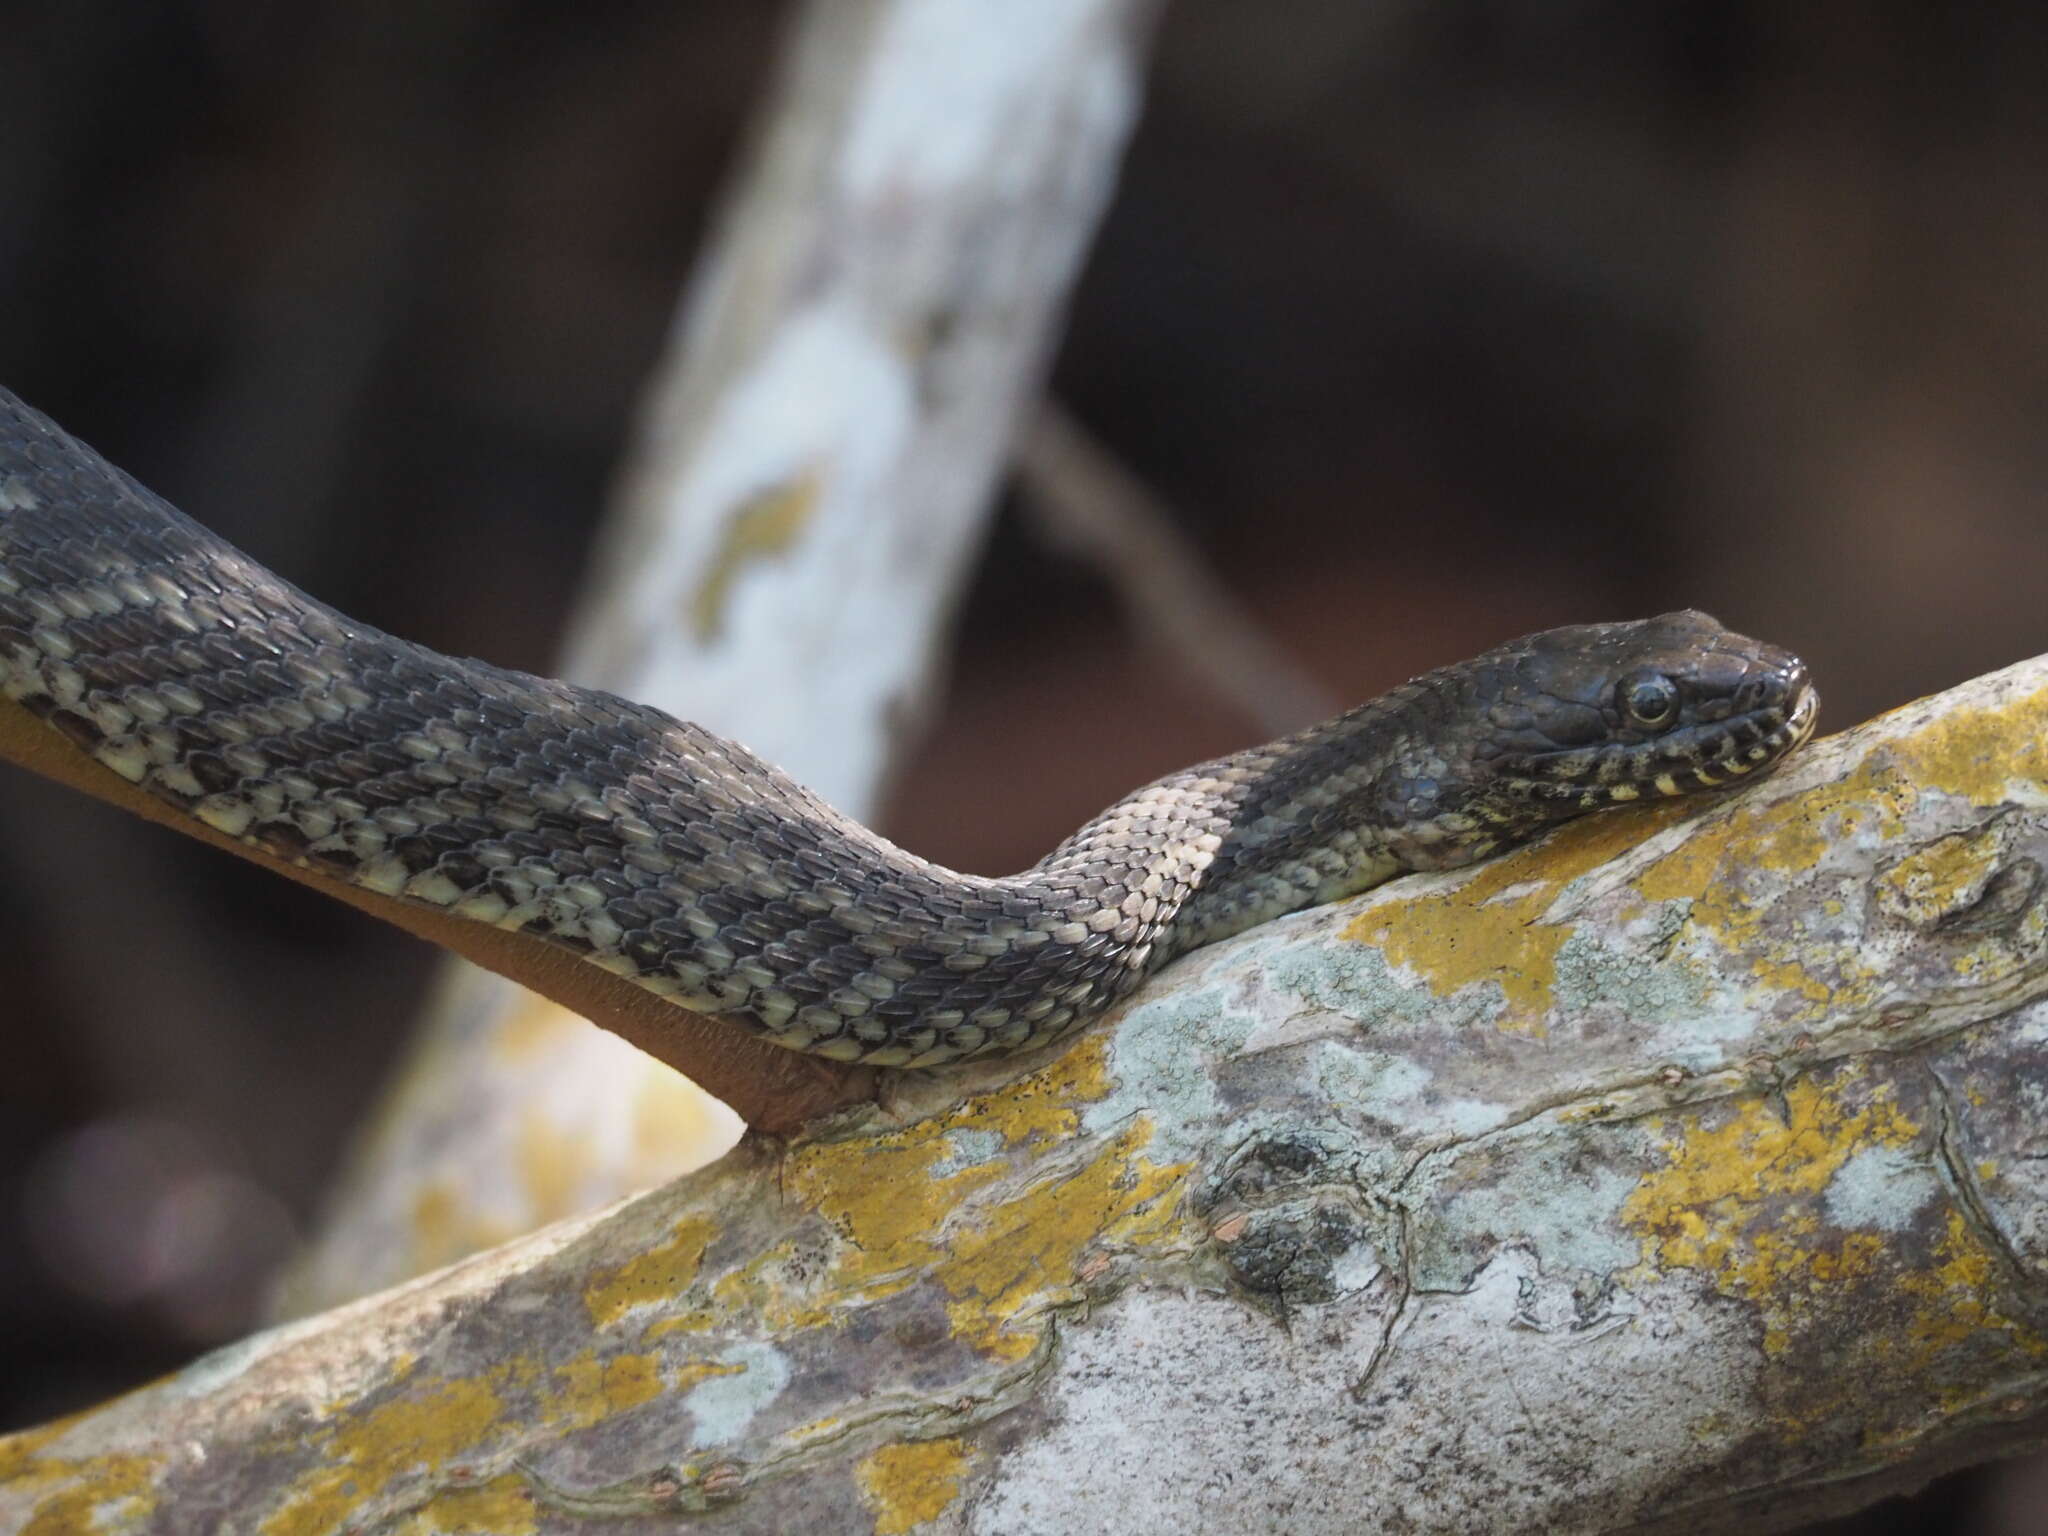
[682, 862]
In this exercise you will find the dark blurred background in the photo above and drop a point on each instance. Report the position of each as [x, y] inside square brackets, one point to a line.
[1432, 323]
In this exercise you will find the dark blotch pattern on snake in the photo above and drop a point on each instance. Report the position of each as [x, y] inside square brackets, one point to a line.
[680, 860]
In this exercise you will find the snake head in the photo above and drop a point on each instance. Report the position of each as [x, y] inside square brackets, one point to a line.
[1601, 714]
[1557, 724]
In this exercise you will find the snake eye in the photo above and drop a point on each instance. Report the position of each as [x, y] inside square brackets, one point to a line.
[1648, 699]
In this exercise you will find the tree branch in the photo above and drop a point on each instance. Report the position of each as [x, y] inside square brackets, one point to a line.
[1680, 1172]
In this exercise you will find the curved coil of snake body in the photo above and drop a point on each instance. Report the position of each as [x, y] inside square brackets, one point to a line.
[678, 859]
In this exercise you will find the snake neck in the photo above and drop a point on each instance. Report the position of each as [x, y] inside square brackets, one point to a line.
[1246, 838]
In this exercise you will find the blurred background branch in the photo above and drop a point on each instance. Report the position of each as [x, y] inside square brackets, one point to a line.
[809, 481]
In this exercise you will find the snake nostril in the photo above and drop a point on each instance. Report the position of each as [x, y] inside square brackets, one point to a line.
[1753, 694]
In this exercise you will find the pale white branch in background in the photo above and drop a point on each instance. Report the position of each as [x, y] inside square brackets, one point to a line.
[802, 501]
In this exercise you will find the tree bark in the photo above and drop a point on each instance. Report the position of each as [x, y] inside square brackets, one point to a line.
[801, 505]
[1681, 1172]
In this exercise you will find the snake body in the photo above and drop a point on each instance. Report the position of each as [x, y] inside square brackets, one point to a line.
[679, 860]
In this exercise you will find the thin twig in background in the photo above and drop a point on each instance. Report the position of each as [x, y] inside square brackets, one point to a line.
[1085, 503]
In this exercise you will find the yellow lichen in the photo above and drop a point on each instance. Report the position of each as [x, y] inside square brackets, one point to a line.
[1959, 1309]
[102, 1493]
[553, 1164]
[677, 1127]
[1492, 927]
[1743, 1199]
[1026, 1251]
[817, 1429]
[433, 1217]
[904, 1221]
[907, 1485]
[1713, 872]
[427, 1428]
[1945, 876]
[1975, 754]
[86, 1494]
[762, 527]
[591, 1388]
[501, 1507]
[662, 1273]
[535, 1024]
[444, 1230]
[22, 1453]
[1740, 1196]
[367, 1448]
[1978, 753]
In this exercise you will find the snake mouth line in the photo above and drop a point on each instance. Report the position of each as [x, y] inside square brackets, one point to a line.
[1736, 749]
[1804, 714]
[1731, 762]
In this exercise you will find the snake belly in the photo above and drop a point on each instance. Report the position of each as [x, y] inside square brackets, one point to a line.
[681, 861]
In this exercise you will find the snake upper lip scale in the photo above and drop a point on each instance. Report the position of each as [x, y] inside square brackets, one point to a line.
[680, 861]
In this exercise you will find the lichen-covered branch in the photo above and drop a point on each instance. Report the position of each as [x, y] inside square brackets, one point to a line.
[1681, 1172]
[803, 499]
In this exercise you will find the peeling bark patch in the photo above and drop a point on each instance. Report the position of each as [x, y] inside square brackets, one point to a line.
[1941, 880]
[907, 1485]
